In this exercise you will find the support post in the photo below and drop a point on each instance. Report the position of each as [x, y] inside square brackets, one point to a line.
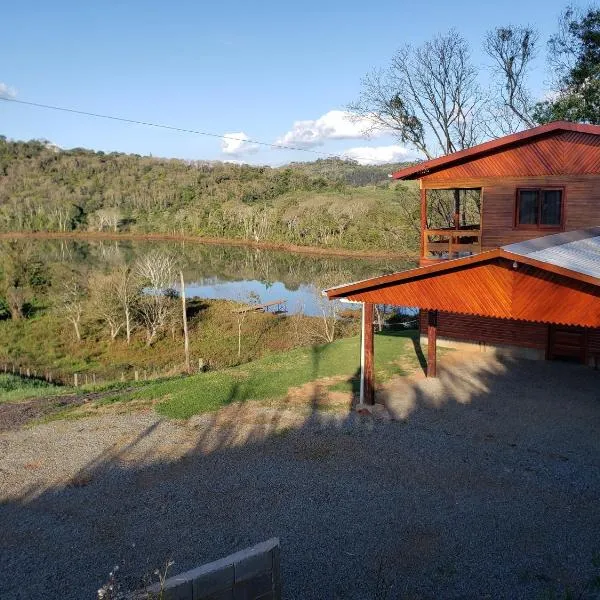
[456, 209]
[423, 222]
[432, 321]
[367, 370]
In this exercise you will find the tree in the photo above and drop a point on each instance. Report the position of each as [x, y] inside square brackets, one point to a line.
[186, 340]
[71, 305]
[113, 297]
[511, 49]
[22, 275]
[127, 290]
[156, 272]
[429, 97]
[574, 57]
[108, 217]
[251, 300]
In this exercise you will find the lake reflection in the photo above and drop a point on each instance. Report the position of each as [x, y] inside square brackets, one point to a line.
[227, 272]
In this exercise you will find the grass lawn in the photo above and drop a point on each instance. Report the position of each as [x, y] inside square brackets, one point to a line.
[14, 388]
[271, 377]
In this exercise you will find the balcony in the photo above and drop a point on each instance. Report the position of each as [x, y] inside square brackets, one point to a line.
[442, 244]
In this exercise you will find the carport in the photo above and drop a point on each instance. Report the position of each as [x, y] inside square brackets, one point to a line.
[553, 280]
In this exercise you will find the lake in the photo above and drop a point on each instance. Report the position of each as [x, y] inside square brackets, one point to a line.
[221, 271]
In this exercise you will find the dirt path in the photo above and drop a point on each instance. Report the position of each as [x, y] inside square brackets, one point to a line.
[14, 415]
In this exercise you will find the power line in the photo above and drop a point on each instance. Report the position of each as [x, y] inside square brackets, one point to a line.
[170, 127]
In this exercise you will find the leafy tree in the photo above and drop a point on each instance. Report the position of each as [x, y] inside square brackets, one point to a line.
[574, 55]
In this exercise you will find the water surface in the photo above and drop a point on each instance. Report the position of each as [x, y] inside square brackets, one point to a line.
[221, 271]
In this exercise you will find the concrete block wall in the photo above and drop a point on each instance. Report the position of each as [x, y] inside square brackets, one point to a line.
[251, 574]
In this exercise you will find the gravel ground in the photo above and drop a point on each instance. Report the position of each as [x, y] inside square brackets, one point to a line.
[484, 484]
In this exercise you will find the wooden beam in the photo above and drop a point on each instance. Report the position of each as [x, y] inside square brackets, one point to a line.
[456, 209]
[368, 363]
[423, 222]
[432, 319]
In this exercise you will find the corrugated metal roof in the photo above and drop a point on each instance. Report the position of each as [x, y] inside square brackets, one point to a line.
[578, 250]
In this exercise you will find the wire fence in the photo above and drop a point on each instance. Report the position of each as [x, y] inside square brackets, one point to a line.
[94, 379]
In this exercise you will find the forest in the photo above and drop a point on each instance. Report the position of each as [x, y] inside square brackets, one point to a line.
[328, 203]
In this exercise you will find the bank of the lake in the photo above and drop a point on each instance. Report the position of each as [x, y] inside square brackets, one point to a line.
[42, 273]
[92, 236]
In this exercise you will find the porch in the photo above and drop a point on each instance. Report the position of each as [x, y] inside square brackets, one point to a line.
[450, 223]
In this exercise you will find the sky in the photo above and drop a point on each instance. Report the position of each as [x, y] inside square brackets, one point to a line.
[272, 71]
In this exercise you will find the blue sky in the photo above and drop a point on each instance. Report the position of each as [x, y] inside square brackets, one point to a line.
[225, 67]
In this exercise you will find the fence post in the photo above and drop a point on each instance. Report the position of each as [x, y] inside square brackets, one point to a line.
[75, 379]
[136, 375]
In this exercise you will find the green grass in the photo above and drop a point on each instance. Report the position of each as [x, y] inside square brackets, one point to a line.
[271, 377]
[14, 388]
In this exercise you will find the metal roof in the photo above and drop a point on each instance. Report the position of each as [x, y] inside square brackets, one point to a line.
[577, 251]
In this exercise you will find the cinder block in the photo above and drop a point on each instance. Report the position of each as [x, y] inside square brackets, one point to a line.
[258, 586]
[178, 587]
[252, 565]
[207, 582]
[277, 588]
[224, 595]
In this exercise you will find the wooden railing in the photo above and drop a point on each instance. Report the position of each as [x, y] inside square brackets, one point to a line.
[450, 243]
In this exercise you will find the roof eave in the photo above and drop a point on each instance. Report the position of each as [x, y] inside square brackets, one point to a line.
[450, 160]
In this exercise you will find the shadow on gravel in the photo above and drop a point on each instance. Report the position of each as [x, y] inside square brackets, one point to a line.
[484, 484]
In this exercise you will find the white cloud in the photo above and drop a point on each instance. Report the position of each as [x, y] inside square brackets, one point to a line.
[237, 144]
[334, 125]
[378, 155]
[6, 91]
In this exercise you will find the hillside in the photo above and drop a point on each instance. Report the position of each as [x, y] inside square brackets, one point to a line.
[327, 203]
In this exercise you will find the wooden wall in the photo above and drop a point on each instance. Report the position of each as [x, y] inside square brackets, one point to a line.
[581, 198]
[570, 159]
[560, 153]
[468, 328]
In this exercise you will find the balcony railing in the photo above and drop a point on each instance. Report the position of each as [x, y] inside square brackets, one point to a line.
[451, 243]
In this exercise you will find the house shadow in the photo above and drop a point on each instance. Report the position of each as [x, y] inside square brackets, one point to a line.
[481, 483]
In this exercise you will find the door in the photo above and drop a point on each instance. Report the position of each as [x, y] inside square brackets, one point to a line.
[567, 343]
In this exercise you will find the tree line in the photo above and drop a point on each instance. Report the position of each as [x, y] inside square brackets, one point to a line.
[328, 203]
[140, 295]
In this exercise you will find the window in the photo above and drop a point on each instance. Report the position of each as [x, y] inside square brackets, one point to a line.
[539, 207]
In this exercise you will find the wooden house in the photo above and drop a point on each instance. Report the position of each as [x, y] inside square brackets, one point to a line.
[491, 282]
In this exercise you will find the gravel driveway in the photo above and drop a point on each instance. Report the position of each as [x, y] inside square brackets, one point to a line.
[486, 485]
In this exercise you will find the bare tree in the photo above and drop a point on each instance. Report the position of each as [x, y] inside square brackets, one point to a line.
[511, 49]
[71, 305]
[242, 313]
[429, 97]
[156, 271]
[108, 217]
[127, 291]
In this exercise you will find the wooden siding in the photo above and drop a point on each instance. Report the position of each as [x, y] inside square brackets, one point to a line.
[565, 153]
[494, 289]
[495, 332]
[486, 330]
[581, 205]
